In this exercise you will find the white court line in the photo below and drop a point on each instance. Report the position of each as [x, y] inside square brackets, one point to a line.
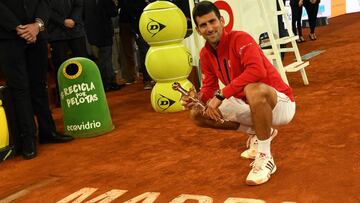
[27, 190]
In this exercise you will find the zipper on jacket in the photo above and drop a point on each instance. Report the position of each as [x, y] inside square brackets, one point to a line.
[227, 71]
[219, 66]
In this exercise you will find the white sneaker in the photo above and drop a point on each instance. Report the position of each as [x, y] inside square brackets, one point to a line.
[262, 167]
[251, 144]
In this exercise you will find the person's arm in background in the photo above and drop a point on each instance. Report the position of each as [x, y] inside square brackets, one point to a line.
[76, 14]
[30, 31]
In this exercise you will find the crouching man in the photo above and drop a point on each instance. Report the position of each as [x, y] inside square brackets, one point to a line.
[254, 98]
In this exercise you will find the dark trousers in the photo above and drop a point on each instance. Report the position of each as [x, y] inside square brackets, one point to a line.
[127, 42]
[143, 48]
[25, 69]
[60, 53]
[312, 11]
[61, 48]
[127, 38]
[105, 64]
[296, 13]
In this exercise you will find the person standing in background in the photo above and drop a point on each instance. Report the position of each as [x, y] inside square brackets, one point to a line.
[129, 17]
[312, 9]
[296, 14]
[99, 32]
[24, 62]
[127, 43]
[66, 32]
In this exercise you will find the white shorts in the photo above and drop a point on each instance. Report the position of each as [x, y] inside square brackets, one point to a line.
[234, 109]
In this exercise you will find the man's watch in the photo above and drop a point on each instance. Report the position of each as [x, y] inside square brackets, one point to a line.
[40, 24]
[219, 96]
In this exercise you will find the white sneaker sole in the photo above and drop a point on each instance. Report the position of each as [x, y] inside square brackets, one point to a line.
[261, 181]
[251, 153]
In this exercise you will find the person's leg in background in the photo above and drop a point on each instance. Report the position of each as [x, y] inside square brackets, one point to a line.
[39, 95]
[59, 53]
[90, 50]
[298, 23]
[312, 11]
[59, 50]
[37, 71]
[314, 20]
[78, 47]
[14, 67]
[143, 48]
[127, 42]
[117, 56]
[296, 11]
[294, 19]
[106, 68]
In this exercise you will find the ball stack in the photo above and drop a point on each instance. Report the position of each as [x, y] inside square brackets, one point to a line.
[163, 26]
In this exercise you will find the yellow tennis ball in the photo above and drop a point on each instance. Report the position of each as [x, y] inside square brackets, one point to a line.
[164, 99]
[162, 22]
[4, 131]
[168, 62]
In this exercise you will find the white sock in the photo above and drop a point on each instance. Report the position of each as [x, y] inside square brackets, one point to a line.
[264, 147]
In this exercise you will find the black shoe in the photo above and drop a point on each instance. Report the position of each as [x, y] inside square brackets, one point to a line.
[54, 137]
[28, 148]
[113, 86]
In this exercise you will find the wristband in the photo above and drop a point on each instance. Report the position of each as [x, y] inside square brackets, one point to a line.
[219, 96]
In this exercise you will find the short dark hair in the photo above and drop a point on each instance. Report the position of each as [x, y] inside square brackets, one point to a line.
[203, 8]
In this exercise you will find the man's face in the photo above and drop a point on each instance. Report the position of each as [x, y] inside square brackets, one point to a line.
[210, 27]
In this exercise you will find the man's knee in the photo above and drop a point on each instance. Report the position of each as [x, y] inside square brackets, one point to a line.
[260, 94]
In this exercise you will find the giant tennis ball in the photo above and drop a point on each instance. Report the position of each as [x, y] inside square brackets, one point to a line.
[4, 131]
[164, 99]
[162, 22]
[168, 62]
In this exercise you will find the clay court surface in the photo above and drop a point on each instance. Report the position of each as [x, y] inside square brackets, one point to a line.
[317, 155]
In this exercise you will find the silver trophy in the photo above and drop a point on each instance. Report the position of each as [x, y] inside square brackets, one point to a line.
[176, 86]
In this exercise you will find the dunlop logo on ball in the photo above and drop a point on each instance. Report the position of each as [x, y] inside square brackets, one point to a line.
[164, 102]
[154, 27]
[190, 59]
